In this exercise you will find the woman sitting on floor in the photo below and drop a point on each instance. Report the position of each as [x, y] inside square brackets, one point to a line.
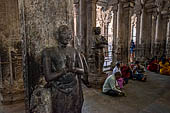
[153, 65]
[126, 72]
[164, 67]
[118, 69]
[139, 72]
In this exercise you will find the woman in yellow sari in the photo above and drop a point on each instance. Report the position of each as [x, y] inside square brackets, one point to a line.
[164, 67]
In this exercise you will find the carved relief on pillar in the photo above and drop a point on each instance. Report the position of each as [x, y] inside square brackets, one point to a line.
[11, 80]
[119, 50]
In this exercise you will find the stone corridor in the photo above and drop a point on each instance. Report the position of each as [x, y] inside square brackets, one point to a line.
[152, 96]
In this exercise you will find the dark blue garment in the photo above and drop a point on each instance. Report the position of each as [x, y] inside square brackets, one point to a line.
[112, 93]
[132, 46]
[126, 80]
[138, 76]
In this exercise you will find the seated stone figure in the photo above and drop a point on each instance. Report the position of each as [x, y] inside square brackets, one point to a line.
[62, 67]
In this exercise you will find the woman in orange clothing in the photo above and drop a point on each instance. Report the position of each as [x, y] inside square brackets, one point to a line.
[164, 67]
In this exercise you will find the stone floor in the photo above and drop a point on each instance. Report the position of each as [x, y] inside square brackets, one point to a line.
[152, 96]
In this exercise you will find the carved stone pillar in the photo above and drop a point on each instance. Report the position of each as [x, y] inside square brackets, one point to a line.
[127, 32]
[142, 34]
[158, 36]
[168, 39]
[137, 34]
[145, 34]
[96, 78]
[148, 37]
[91, 22]
[83, 24]
[11, 80]
[106, 36]
[114, 36]
[76, 24]
[40, 21]
[153, 35]
[164, 33]
[119, 32]
[123, 32]
[1, 77]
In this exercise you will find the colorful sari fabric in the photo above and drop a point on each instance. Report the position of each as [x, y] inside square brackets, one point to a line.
[153, 66]
[125, 71]
[164, 68]
[120, 82]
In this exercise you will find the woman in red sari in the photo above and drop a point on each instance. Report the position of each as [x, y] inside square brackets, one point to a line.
[125, 70]
[153, 65]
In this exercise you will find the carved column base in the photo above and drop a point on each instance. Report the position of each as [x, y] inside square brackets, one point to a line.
[10, 98]
[12, 93]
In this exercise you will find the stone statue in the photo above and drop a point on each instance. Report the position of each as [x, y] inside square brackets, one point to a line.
[99, 42]
[96, 58]
[62, 67]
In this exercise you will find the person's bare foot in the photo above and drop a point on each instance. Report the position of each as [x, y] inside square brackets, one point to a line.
[144, 79]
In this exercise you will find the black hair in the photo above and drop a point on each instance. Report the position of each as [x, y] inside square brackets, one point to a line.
[118, 64]
[137, 62]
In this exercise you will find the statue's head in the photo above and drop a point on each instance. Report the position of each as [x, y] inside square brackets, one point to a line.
[64, 35]
[97, 30]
